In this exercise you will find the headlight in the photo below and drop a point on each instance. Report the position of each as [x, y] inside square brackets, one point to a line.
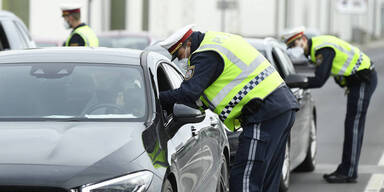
[135, 182]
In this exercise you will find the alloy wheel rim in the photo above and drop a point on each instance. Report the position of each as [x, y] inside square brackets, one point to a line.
[286, 166]
[223, 184]
[313, 144]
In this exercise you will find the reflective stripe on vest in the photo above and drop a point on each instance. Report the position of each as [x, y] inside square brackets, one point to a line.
[246, 70]
[87, 34]
[348, 59]
[247, 88]
[246, 75]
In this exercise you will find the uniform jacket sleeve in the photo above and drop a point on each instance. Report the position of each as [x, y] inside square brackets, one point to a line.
[207, 67]
[76, 40]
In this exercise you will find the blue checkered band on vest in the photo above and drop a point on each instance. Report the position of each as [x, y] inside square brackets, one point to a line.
[358, 63]
[247, 88]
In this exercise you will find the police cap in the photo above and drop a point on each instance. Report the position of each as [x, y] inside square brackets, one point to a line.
[176, 40]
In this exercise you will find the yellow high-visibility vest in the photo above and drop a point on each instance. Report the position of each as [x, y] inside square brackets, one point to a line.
[87, 34]
[348, 59]
[246, 75]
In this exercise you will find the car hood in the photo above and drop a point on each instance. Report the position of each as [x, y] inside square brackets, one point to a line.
[66, 154]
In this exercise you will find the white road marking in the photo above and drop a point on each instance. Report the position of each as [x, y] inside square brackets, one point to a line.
[376, 182]
[363, 169]
[381, 162]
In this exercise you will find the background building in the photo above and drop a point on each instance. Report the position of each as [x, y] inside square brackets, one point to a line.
[246, 17]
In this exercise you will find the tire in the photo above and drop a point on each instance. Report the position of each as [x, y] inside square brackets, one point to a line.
[286, 170]
[168, 187]
[223, 179]
[309, 162]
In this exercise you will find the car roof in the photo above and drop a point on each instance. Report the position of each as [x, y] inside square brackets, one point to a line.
[7, 14]
[73, 54]
[260, 44]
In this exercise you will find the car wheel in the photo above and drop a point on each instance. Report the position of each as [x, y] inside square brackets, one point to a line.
[310, 160]
[286, 170]
[223, 179]
[167, 186]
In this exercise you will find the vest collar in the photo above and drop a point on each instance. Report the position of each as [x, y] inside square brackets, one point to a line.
[82, 24]
[197, 38]
[309, 47]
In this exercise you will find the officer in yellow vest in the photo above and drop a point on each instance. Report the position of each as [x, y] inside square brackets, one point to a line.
[352, 69]
[230, 77]
[82, 34]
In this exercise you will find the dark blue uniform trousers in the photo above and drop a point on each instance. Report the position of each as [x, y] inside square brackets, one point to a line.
[260, 155]
[357, 105]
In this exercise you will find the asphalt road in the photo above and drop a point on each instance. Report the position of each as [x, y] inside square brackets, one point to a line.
[331, 108]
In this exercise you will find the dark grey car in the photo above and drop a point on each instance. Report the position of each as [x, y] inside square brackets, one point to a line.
[73, 119]
[301, 147]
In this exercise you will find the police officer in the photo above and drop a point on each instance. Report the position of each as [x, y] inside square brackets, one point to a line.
[352, 69]
[82, 34]
[235, 81]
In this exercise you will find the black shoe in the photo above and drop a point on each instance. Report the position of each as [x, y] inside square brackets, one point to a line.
[338, 178]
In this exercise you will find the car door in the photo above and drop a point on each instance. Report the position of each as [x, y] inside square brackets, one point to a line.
[198, 148]
[300, 129]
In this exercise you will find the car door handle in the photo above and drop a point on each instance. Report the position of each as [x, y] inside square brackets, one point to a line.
[193, 131]
[214, 121]
[180, 147]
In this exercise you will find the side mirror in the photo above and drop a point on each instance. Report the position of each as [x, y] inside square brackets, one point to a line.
[185, 114]
[182, 115]
[296, 81]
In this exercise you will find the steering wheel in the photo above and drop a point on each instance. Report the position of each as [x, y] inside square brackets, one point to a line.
[93, 108]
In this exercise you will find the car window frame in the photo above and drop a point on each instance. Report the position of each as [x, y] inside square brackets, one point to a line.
[289, 64]
[174, 75]
[13, 35]
[278, 56]
[25, 36]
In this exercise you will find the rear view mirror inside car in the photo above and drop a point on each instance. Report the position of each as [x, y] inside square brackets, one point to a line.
[51, 71]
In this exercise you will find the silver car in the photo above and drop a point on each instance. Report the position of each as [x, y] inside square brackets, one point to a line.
[301, 149]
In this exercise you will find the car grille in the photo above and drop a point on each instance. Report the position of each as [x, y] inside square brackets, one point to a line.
[30, 189]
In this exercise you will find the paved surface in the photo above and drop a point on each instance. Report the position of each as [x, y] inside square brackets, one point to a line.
[331, 107]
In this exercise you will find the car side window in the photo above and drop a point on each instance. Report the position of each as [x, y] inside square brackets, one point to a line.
[163, 80]
[271, 60]
[164, 84]
[175, 77]
[4, 44]
[282, 62]
[277, 62]
[288, 63]
[14, 36]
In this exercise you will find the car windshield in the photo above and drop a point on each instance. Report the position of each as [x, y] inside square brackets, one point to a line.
[133, 42]
[70, 91]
